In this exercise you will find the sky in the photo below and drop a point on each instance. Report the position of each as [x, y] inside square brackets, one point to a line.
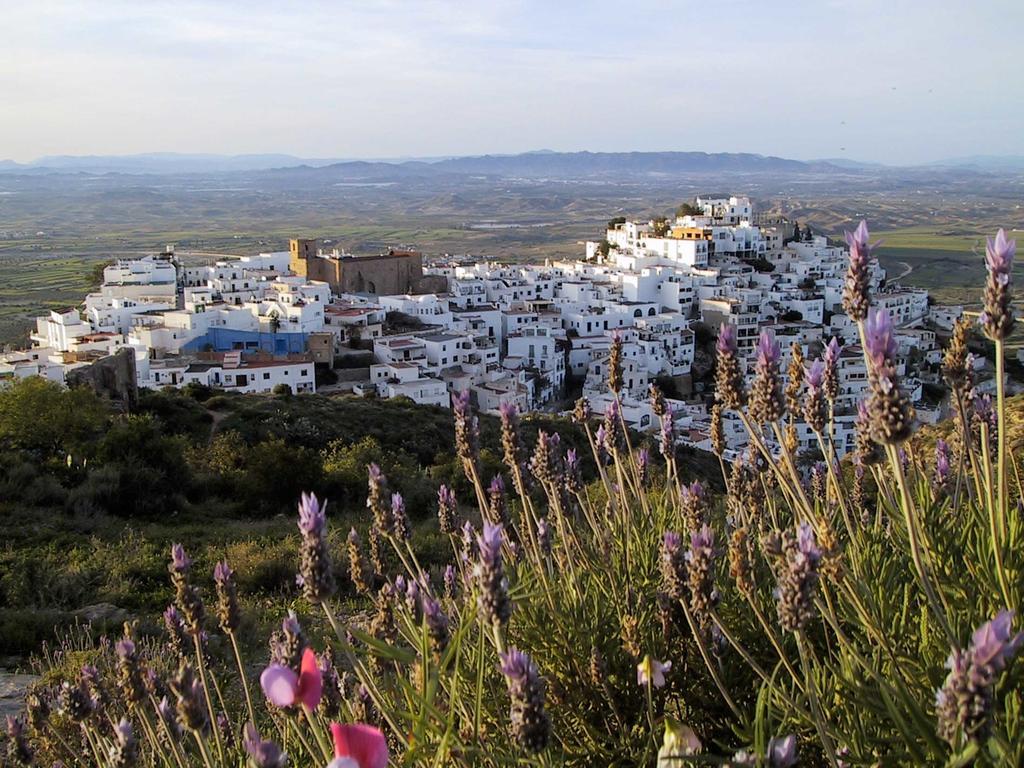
[894, 81]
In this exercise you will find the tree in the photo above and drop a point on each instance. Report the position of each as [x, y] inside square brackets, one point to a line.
[41, 416]
[660, 225]
[275, 323]
[603, 248]
[807, 233]
[688, 209]
[796, 231]
[616, 222]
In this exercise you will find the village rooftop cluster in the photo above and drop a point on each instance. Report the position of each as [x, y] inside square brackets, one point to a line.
[526, 334]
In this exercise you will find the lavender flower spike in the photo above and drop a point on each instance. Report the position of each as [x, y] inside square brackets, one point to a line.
[400, 517]
[530, 724]
[890, 412]
[700, 568]
[767, 404]
[997, 319]
[798, 578]
[262, 754]
[673, 565]
[782, 751]
[494, 603]
[180, 561]
[942, 467]
[446, 509]
[814, 399]
[830, 381]
[856, 297]
[728, 377]
[316, 576]
[124, 752]
[964, 703]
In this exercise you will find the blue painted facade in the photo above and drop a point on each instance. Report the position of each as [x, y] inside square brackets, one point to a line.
[228, 339]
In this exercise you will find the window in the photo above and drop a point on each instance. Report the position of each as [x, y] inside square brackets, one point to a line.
[266, 376]
[304, 372]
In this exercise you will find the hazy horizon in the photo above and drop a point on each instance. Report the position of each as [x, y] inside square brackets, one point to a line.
[872, 81]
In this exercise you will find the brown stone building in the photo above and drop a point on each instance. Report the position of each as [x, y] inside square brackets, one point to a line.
[387, 273]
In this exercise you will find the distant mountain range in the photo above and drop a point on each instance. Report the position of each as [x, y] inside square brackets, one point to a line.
[535, 165]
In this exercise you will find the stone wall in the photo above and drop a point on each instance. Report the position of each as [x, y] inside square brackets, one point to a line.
[112, 377]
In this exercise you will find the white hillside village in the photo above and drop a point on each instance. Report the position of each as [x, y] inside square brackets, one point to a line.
[533, 335]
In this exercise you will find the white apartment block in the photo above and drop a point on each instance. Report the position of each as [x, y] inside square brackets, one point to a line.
[230, 371]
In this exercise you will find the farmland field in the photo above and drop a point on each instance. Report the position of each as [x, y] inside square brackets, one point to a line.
[54, 231]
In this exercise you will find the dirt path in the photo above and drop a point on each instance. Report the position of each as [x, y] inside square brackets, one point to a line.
[907, 269]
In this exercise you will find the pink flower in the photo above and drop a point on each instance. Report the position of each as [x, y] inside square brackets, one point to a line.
[358, 746]
[285, 689]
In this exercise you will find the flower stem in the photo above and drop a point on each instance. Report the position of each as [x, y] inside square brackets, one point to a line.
[241, 677]
[812, 695]
[910, 518]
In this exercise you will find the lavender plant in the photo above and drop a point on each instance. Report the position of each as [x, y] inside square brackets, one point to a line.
[865, 618]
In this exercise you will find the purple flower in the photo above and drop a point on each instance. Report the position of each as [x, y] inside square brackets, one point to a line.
[493, 600]
[460, 402]
[544, 536]
[18, 748]
[997, 318]
[446, 509]
[815, 374]
[643, 459]
[508, 410]
[491, 539]
[437, 624]
[767, 404]
[832, 351]
[125, 749]
[880, 340]
[573, 472]
[315, 574]
[891, 415]
[673, 565]
[992, 643]
[858, 241]
[807, 543]
[797, 578]
[768, 351]
[264, 754]
[700, 574]
[125, 648]
[941, 462]
[830, 380]
[450, 581]
[726, 344]
[467, 433]
[530, 724]
[312, 516]
[511, 443]
[782, 751]
[701, 541]
[856, 300]
[965, 701]
[180, 561]
[999, 253]
[497, 500]
[399, 517]
[667, 442]
[168, 718]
